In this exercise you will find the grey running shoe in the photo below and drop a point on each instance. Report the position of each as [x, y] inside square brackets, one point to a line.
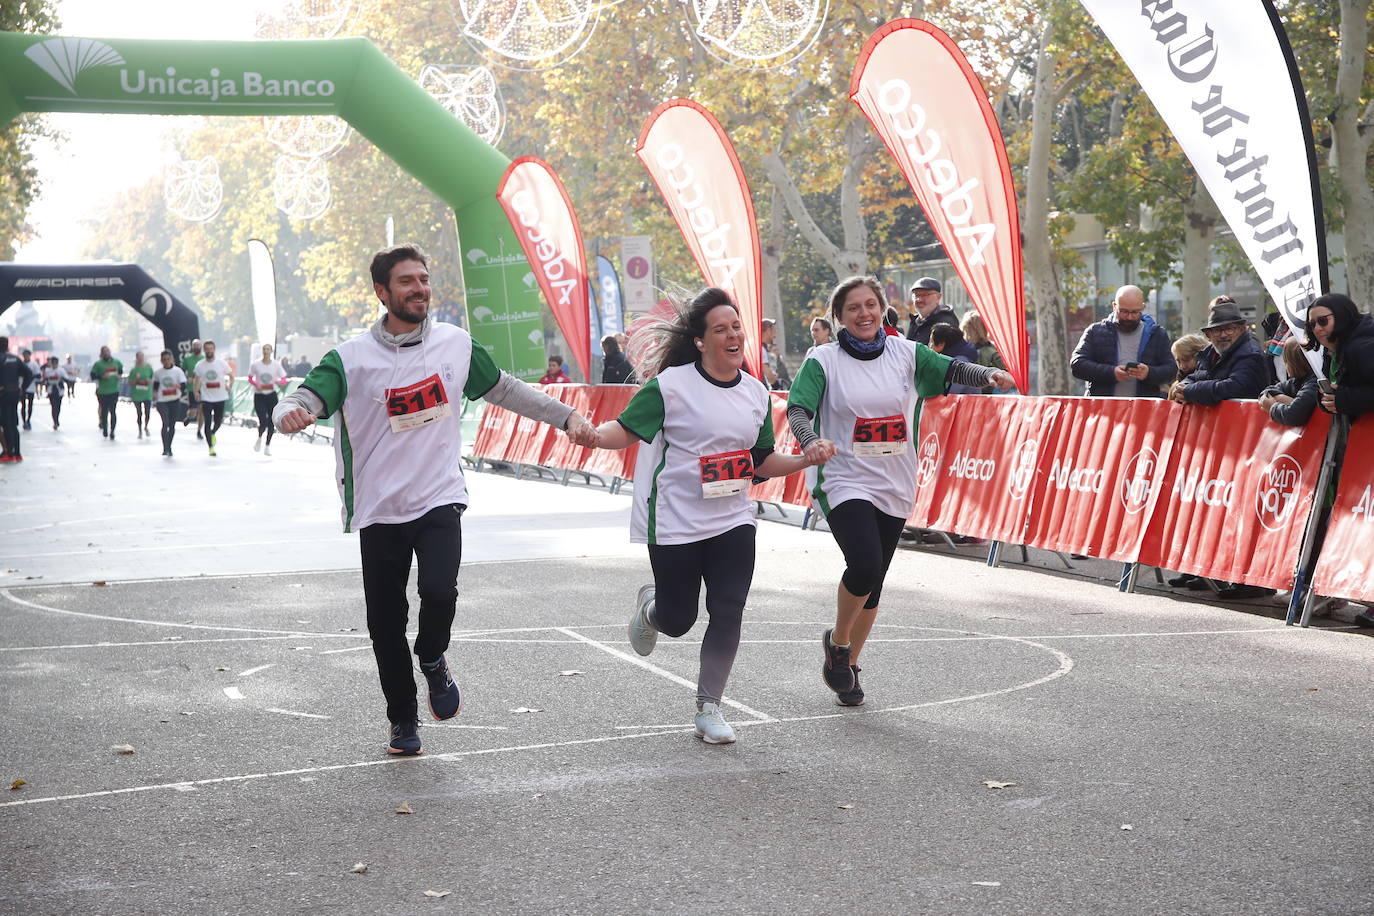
[712, 727]
[643, 636]
[853, 697]
[837, 673]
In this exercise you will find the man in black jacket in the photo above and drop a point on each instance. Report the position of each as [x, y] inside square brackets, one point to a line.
[1125, 355]
[15, 376]
[927, 310]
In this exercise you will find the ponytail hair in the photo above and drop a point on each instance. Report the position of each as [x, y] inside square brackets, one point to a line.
[662, 343]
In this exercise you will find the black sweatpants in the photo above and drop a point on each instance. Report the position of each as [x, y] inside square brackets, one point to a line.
[436, 540]
[55, 402]
[263, 405]
[107, 403]
[212, 418]
[9, 421]
[868, 539]
[143, 412]
[726, 564]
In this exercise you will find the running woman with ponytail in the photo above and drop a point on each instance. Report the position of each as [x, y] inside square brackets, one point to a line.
[863, 394]
[707, 432]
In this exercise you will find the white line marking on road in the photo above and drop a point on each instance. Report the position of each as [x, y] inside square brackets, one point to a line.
[252, 671]
[101, 520]
[349, 649]
[292, 712]
[107, 551]
[647, 666]
[493, 728]
[154, 642]
[233, 693]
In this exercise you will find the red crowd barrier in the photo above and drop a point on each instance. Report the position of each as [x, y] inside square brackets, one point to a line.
[1346, 565]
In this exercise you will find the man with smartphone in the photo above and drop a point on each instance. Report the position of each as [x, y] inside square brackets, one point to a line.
[1126, 355]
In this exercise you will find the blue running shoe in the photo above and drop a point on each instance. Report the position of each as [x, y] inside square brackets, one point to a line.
[405, 739]
[444, 699]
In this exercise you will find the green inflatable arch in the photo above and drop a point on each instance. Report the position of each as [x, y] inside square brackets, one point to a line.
[349, 78]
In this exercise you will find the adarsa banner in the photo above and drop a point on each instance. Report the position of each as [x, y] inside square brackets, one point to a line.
[916, 87]
[1236, 495]
[1346, 567]
[1222, 76]
[695, 167]
[537, 205]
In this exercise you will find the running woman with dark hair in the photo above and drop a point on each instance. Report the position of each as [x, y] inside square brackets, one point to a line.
[707, 433]
[55, 381]
[863, 393]
[265, 375]
[169, 389]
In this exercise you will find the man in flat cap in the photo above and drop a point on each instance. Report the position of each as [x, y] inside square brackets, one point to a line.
[927, 310]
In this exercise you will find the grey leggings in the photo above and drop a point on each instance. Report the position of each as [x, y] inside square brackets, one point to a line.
[726, 564]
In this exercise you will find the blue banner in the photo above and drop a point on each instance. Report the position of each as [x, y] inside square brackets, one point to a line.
[594, 319]
[612, 310]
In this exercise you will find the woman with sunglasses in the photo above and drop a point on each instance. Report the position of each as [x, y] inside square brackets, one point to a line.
[1346, 338]
[863, 393]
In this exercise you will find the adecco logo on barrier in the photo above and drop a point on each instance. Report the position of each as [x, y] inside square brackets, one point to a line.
[1023, 468]
[1276, 492]
[928, 460]
[1137, 480]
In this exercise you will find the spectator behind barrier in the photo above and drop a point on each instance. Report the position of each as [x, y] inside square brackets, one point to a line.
[1126, 355]
[949, 341]
[1186, 351]
[1347, 336]
[928, 310]
[615, 369]
[890, 319]
[820, 333]
[1233, 365]
[976, 333]
[1292, 400]
[555, 375]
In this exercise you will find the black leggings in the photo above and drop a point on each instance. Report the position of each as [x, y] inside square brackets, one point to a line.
[143, 412]
[726, 564]
[436, 540]
[55, 402]
[868, 539]
[169, 412]
[107, 403]
[212, 418]
[263, 404]
[26, 408]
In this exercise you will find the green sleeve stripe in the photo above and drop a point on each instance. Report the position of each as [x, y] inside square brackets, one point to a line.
[643, 416]
[931, 371]
[330, 382]
[808, 388]
[766, 438]
[482, 373]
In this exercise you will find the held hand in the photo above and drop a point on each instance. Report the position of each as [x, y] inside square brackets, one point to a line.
[1002, 379]
[1176, 394]
[819, 452]
[580, 432]
[296, 420]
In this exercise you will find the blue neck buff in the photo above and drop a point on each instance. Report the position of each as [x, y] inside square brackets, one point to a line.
[863, 346]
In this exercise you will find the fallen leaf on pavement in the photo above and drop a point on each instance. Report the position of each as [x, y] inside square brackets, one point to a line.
[18, 784]
[994, 784]
[122, 748]
[405, 808]
[525, 709]
[436, 893]
[359, 869]
[100, 583]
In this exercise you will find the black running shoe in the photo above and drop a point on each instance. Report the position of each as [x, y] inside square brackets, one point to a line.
[837, 673]
[444, 700]
[405, 739]
[853, 697]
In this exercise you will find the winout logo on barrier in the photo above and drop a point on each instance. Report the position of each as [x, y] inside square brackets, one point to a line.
[1276, 494]
[550, 259]
[942, 176]
[927, 460]
[1023, 468]
[711, 235]
[1137, 480]
[967, 467]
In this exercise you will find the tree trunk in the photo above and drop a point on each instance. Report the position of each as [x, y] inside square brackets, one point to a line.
[1350, 151]
[1048, 299]
[774, 237]
[1200, 218]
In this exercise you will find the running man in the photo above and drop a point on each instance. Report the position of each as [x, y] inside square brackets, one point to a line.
[36, 368]
[169, 388]
[15, 376]
[141, 392]
[55, 381]
[266, 375]
[708, 432]
[73, 373]
[188, 365]
[398, 445]
[863, 393]
[105, 372]
[214, 380]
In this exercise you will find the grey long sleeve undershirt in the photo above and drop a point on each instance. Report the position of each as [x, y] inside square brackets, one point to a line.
[960, 373]
[508, 392]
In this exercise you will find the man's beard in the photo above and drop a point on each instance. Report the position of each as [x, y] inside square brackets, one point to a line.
[411, 311]
[1128, 326]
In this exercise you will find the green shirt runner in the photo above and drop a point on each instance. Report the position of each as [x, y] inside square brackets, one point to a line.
[106, 373]
[141, 382]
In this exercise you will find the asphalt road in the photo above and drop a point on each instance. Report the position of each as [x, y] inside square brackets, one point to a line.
[1032, 742]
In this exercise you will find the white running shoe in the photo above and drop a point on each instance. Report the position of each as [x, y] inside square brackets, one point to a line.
[712, 727]
[267, 450]
[257, 446]
[643, 636]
